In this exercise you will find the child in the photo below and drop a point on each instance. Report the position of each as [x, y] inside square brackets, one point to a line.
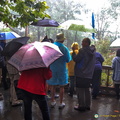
[70, 66]
[33, 85]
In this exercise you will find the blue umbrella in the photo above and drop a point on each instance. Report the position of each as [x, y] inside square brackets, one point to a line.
[93, 25]
[8, 35]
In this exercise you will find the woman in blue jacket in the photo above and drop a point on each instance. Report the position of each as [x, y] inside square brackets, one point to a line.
[116, 73]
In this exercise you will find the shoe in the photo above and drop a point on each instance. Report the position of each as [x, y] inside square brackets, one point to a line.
[62, 105]
[53, 104]
[16, 103]
[71, 95]
[48, 97]
[1, 97]
[79, 108]
[117, 97]
[94, 97]
[87, 108]
[56, 96]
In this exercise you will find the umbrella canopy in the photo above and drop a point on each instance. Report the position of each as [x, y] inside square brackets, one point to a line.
[115, 43]
[8, 35]
[46, 23]
[76, 25]
[14, 45]
[35, 55]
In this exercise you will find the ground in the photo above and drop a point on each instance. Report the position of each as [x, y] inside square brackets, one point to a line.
[104, 108]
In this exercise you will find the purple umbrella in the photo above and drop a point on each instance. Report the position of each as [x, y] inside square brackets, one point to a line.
[46, 23]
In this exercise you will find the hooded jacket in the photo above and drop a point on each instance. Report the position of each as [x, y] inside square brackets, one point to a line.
[84, 62]
[116, 68]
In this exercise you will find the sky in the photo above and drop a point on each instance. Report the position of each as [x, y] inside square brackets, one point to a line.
[95, 5]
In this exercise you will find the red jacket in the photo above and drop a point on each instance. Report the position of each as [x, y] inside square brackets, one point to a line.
[34, 80]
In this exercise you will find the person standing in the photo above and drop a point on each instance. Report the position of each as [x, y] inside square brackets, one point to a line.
[3, 64]
[59, 71]
[14, 75]
[70, 67]
[84, 68]
[33, 87]
[97, 73]
[116, 73]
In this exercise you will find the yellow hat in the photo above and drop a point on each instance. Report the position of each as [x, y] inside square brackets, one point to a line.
[60, 37]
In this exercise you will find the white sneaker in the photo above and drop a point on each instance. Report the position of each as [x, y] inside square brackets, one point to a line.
[56, 96]
[53, 104]
[62, 105]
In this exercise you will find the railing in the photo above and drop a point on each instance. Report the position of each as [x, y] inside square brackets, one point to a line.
[106, 80]
[108, 71]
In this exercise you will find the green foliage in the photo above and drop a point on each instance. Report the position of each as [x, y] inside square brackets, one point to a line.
[22, 12]
[5, 30]
[104, 79]
[103, 46]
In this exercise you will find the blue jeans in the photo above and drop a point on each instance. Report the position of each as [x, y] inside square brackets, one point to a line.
[41, 101]
[72, 84]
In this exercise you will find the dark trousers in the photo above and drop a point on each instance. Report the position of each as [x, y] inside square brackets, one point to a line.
[96, 82]
[72, 84]
[41, 101]
[4, 80]
[117, 89]
[84, 97]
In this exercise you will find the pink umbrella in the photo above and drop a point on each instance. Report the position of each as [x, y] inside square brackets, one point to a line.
[35, 55]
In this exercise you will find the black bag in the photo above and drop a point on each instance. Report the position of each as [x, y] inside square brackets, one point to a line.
[19, 92]
[82, 82]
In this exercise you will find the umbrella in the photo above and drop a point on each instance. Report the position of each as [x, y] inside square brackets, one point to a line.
[46, 23]
[76, 25]
[115, 43]
[8, 35]
[35, 55]
[14, 45]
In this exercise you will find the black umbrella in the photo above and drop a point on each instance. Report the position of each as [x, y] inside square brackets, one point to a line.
[14, 45]
[46, 23]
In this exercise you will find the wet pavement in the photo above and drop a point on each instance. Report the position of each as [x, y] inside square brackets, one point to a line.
[106, 107]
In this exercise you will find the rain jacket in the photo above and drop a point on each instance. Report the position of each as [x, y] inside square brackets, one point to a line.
[99, 61]
[59, 70]
[71, 65]
[84, 63]
[34, 80]
[116, 69]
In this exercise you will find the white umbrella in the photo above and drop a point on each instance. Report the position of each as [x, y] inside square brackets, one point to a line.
[115, 43]
[76, 25]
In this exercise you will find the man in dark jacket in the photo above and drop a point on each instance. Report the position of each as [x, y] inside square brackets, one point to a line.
[84, 68]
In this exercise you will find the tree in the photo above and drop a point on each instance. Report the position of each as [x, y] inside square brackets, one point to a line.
[21, 13]
[107, 16]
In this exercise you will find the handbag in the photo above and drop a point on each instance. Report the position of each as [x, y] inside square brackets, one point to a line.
[19, 91]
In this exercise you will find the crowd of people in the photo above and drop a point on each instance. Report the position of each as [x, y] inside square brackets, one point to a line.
[81, 68]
